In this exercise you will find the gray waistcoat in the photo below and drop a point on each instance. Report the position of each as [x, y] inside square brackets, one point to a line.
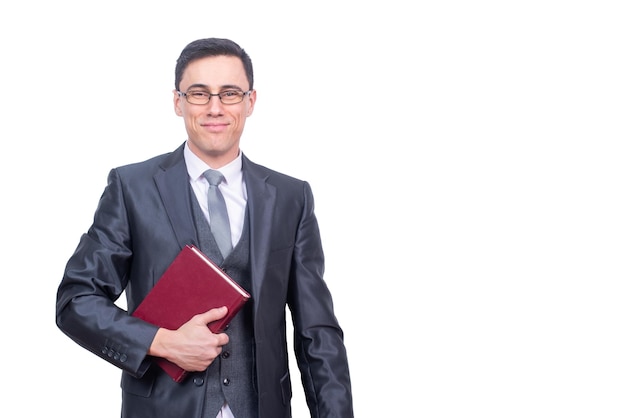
[231, 376]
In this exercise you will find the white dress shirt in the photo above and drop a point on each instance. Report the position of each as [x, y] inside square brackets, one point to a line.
[233, 188]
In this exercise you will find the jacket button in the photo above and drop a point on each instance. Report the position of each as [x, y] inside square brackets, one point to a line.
[198, 381]
[226, 381]
[226, 354]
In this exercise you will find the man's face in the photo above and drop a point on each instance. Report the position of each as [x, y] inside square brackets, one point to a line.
[214, 129]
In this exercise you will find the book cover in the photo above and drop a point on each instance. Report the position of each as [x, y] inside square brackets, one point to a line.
[192, 284]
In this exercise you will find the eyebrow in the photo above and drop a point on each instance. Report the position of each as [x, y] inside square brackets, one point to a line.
[224, 87]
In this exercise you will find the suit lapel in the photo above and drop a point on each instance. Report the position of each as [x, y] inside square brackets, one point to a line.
[173, 185]
[261, 201]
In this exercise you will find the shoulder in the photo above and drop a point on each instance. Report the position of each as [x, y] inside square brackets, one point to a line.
[150, 166]
[269, 175]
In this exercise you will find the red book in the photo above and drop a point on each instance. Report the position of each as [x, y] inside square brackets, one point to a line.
[192, 284]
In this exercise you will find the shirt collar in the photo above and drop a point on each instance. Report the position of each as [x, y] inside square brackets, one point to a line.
[196, 167]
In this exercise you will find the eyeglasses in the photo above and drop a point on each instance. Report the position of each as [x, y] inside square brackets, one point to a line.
[227, 97]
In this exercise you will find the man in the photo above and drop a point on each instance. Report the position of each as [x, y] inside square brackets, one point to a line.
[150, 210]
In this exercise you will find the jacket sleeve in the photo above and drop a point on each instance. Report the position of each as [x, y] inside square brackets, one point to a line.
[318, 338]
[94, 278]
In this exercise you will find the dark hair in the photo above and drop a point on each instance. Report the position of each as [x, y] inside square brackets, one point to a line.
[212, 47]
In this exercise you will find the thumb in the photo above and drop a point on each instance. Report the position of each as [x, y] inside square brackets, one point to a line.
[212, 315]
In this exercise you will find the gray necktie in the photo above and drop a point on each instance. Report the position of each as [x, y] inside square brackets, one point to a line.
[218, 216]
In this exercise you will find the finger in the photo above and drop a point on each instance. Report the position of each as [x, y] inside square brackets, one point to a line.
[212, 315]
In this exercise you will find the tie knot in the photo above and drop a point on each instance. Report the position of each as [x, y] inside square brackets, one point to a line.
[214, 177]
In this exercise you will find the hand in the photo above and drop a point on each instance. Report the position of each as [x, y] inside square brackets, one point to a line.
[192, 346]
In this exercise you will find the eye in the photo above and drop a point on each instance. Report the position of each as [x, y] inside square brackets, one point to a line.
[198, 94]
[230, 93]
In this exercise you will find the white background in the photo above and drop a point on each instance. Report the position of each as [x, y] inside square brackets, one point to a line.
[489, 133]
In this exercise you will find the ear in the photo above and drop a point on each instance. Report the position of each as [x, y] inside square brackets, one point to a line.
[177, 100]
[251, 102]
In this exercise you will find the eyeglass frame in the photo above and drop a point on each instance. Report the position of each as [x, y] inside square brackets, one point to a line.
[244, 94]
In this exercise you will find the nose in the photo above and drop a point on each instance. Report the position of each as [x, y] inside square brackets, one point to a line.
[215, 106]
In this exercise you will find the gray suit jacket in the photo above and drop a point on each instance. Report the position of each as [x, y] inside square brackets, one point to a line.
[143, 220]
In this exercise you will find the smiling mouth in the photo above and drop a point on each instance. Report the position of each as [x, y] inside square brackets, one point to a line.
[214, 127]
